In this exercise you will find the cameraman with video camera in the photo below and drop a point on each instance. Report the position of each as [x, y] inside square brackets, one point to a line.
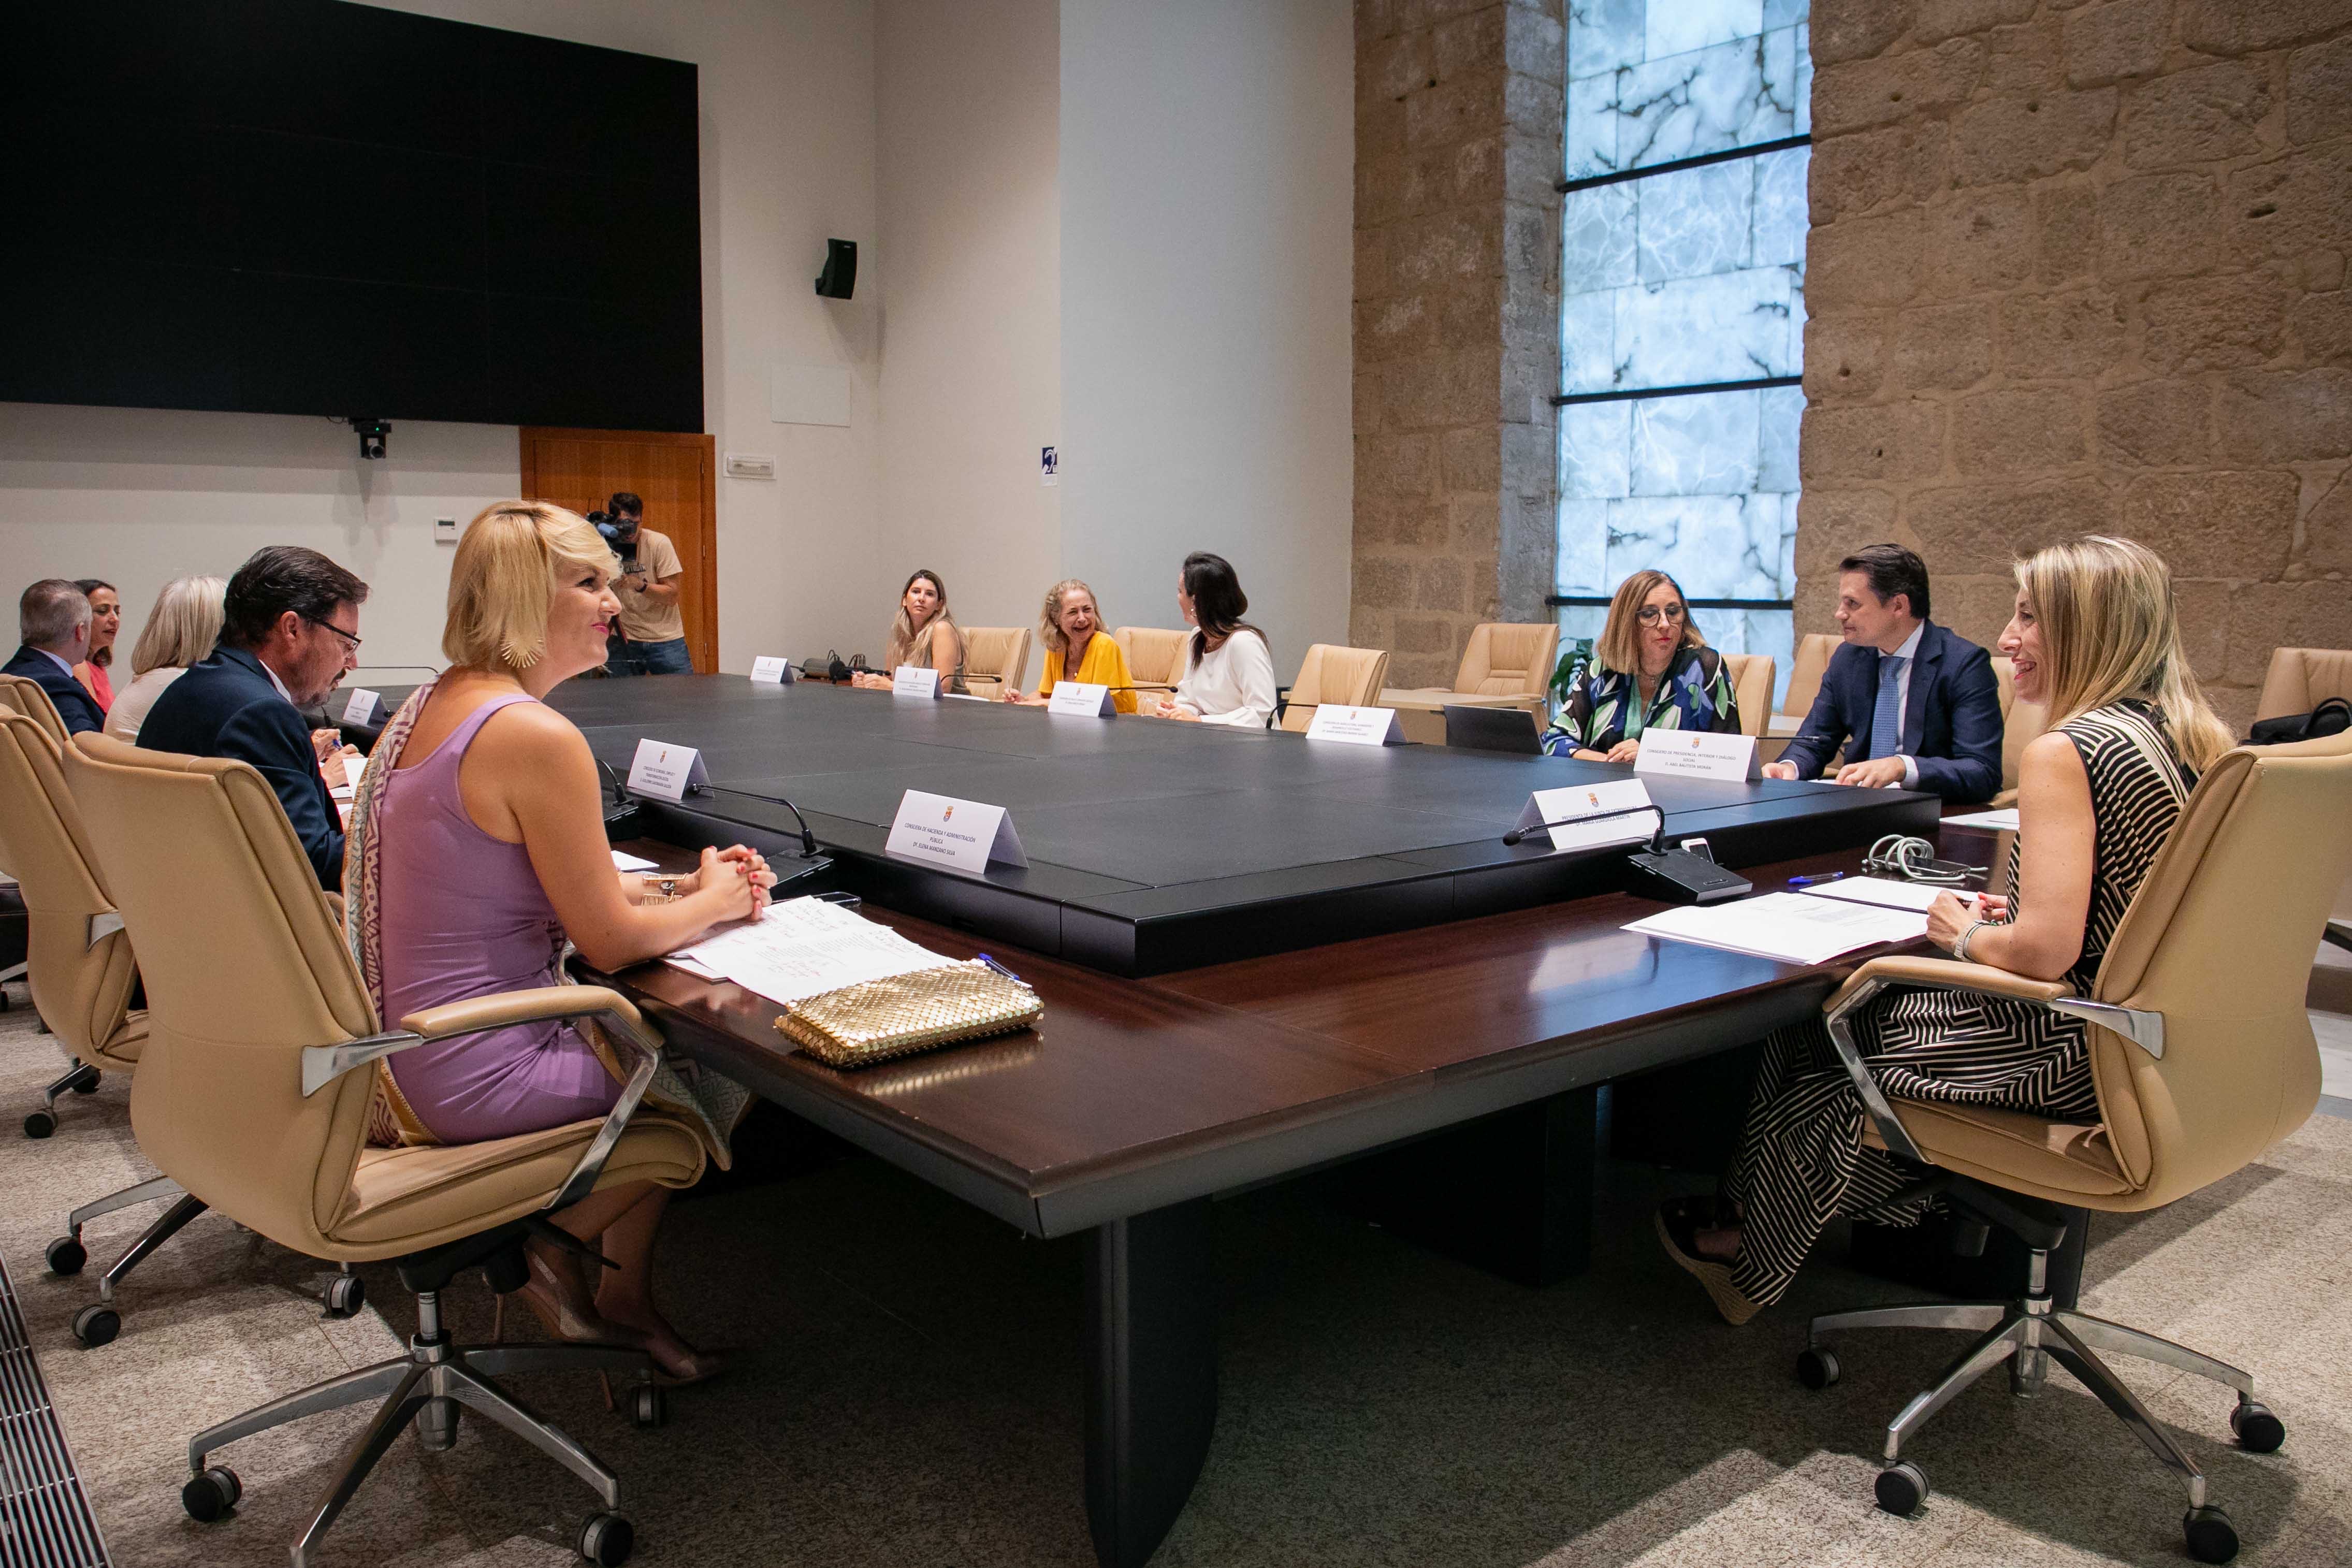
[651, 638]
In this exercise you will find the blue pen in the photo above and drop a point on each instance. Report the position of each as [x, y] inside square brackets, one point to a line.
[1809, 881]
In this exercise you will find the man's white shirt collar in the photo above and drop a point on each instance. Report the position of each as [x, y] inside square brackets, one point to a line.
[1910, 648]
[275, 681]
[53, 658]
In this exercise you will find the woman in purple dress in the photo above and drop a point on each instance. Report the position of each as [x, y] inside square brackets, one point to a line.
[482, 822]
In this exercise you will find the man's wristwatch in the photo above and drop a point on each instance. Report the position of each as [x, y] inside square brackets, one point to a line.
[662, 890]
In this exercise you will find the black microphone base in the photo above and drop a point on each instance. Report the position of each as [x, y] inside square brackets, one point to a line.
[1679, 877]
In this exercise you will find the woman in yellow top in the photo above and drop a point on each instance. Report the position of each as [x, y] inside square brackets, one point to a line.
[1077, 649]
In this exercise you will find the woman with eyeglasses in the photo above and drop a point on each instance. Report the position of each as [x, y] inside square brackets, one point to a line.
[1651, 670]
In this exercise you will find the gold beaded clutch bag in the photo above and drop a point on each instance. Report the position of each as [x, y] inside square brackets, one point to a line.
[876, 1020]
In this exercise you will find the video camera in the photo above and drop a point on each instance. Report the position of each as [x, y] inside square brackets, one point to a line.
[627, 549]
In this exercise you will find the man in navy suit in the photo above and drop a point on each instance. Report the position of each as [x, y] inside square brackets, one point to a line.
[290, 629]
[1914, 706]
[53, 621]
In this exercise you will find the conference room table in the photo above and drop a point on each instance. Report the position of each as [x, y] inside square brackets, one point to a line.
[1136, 1101]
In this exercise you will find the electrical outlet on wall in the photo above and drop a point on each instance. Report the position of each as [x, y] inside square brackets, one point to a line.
[445, 531]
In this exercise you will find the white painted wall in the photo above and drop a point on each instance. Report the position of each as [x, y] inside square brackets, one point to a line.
[1207, 171]
[787, 126]
[968, 277]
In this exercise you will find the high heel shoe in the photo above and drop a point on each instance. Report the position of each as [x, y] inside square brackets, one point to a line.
[563, 1306]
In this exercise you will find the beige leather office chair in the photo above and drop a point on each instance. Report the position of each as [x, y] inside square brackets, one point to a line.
[1155, 656]
[1507, 658]
[2300, 679]
[26, 697]
[257, 1017]
[2203, 1057]
[1350, 676]
[2021, 724]
[1752, 674]
[1810, 663]
[83, 978]
[993, 658]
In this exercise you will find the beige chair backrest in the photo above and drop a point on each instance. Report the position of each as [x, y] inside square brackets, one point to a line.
[1155, 655]
[2020, 724]
[2219, 940]
[1806, 670]
[81, 988]
[26, 697]
[995, 658]
[1350, 677]
[244, 966]
[1508, 659]
[1752, 674]
[2301, 679]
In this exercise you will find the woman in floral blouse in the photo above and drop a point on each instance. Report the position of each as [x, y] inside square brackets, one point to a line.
[1652, 672]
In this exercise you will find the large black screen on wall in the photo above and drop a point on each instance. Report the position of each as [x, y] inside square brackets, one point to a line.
[303, 207]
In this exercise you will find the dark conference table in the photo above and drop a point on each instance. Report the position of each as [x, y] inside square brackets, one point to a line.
[1432, 990]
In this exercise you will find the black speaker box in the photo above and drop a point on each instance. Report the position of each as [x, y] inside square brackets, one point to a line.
[840, 274]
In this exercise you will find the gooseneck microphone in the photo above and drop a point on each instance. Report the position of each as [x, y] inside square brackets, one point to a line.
[808, 839]
[1657, 839]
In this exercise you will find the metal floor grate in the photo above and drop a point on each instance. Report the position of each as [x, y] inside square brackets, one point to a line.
[45, 1518]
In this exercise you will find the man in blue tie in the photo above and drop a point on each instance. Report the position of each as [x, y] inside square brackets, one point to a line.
[1914, 706]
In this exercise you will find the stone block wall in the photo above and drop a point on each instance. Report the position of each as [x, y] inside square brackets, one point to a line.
[2082, 266]
[1458, 147]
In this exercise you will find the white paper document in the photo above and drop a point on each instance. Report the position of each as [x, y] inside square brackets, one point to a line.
[1886, 893]
[630, 863]
[1992, 821]
[802, 948]
[1788, 927]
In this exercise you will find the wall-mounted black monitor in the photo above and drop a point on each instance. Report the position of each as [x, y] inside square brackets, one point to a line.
[305, 206]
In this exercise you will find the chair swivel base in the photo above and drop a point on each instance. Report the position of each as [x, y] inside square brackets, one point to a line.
[428, 1386]
[2028, 1334]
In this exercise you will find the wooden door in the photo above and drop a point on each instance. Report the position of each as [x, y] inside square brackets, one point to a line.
[678, 477]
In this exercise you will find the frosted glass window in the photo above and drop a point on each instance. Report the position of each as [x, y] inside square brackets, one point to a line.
[1686, 278]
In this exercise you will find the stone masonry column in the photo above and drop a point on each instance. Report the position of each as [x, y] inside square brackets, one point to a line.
[1458, 126]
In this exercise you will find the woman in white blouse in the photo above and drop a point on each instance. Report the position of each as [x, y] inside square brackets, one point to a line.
[180, 631]
[1228, 673]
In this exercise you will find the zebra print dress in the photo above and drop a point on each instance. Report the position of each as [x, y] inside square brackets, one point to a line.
[1801, 1159]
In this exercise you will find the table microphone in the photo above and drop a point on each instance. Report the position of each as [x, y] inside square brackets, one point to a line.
[1671, 876]
[622, 816]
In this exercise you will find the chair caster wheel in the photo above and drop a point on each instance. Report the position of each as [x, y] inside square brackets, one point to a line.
[1817, 1368]
[2259, 1431]
[96, 1326]
[607, 1538]
[2211, 1537]
[210, 1495]
[345, 1295]
[66, 1255]
[436, 1426]
[87, 1082]
[40, 1124]
[649, 1407]
[1902, 1488]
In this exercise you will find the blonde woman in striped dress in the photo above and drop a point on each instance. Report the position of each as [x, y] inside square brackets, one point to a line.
[2095, 639]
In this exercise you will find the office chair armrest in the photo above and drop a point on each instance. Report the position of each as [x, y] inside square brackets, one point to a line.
[322, 1065]
[1939, 973]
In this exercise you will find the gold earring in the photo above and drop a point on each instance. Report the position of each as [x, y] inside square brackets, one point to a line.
[514, 657]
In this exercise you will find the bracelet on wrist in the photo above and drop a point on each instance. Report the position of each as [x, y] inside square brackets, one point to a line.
[661, 889]
[1960, 946]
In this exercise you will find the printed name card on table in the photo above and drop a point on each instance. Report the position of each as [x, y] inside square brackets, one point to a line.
[666, 771]
[963, 835]
[915, 681]
[363, 707]
[1355, 726]
[1583, 816]
[1080, 699]
[773, 671]
[1698, 755]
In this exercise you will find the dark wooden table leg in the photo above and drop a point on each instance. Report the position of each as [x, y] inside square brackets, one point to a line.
[1151, 1375]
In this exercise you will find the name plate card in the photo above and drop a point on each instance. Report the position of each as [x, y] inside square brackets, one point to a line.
[1355, 726]
[364, 708]
[1698, 755]
[1569, 809]
[772, 671]
[915, 681]
[1079, 699]
[963, 835]
[666, 771]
